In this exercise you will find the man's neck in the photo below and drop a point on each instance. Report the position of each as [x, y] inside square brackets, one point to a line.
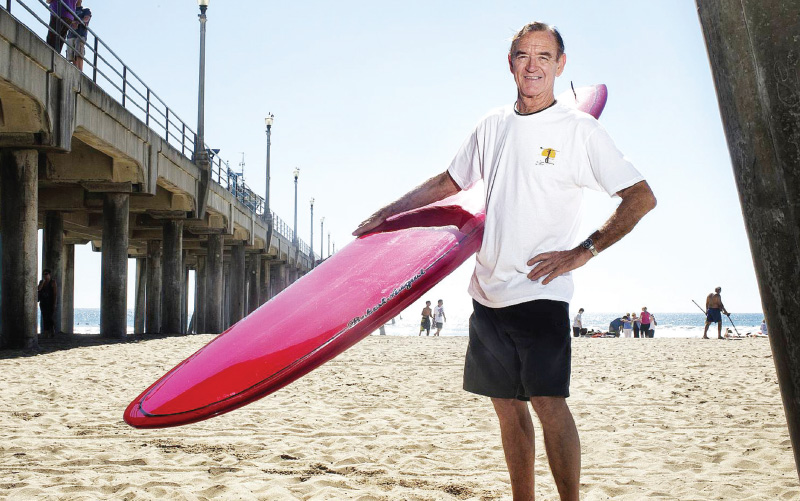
[527, 105]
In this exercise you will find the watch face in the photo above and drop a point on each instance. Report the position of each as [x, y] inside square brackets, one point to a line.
[587, 243]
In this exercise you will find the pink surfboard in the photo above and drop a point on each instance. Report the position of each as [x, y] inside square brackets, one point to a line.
[340, 302]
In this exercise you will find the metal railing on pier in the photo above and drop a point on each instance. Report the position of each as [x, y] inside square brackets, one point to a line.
[111, 73]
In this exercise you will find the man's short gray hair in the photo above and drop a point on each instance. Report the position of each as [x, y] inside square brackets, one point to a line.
[537, 26]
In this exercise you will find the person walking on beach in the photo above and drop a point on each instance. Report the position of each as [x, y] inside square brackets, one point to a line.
[535, 157]
[636, 324]
[427, 314]
[713, 307]
[47, 294]
[439, 317]
[577, 324]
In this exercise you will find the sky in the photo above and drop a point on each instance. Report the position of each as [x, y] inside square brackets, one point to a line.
[372, 98]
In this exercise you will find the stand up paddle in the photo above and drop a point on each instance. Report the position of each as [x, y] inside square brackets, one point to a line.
[701, 308]
[734, 326]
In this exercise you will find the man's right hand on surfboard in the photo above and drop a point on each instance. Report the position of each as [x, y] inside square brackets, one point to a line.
[370, 224]
[434, 189]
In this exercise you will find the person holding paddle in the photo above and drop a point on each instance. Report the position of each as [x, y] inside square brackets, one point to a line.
[713, 307]
[535, 157]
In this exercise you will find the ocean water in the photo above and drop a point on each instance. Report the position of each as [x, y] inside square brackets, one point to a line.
[684, 325]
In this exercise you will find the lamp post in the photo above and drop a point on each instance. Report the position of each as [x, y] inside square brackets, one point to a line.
[321, 237]
[329, 244]
[268, 121]
[200, 153]
[311, 243]
[296, 174]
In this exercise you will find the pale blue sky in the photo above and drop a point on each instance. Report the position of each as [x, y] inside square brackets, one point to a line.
[372, 98]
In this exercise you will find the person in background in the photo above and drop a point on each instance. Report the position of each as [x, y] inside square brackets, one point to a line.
[713, 307]
[644, 318]
[615, 327]
[439, 317]
[76, 38]
[577, 324]
[636, 324]
[427, 314]
[47, 295]
[60, 20]
[627, 325]
[651, 332]
[764, 328]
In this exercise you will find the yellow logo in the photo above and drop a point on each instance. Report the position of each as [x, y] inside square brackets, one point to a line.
[548, 153]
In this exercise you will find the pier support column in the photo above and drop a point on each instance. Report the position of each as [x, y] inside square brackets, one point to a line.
[238, 287]
[214, 284]
[153, 301]
[753, 48]
[200, 296]
[53, 258]
[141, 293]
[280, 279]
[185, 296]
[172, 276]
[226, 294]
[254, 283]
[114, 268]
[264, 281]
[19, 183]
[68, 291]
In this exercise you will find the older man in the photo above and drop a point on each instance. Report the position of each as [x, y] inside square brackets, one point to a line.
[519, 347]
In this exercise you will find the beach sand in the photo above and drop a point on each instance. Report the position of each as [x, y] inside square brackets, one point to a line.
[659, 419]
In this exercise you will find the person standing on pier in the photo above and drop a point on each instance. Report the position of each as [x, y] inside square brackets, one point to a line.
[61, 19]
[47, 292]
[535, 157]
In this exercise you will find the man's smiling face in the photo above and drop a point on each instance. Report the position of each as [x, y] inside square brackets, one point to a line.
[535, 64]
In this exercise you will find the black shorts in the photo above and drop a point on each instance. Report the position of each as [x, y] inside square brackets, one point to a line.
[519, 351]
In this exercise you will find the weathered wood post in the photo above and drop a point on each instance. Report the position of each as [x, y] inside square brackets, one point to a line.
[754, 50]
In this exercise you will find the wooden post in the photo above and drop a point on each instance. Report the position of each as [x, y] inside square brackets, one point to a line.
[754, 50]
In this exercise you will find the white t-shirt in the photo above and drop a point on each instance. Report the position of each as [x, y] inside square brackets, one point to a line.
[438, 314]
[534, 169]
[577, 322]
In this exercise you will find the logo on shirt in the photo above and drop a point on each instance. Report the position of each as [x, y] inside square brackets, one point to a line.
[549, 155]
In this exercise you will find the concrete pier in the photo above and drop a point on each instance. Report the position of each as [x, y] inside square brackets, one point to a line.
[172, 278]
[53, 258]
[114, 272]
[754, 50]
[68, 291]
[18, 219]
[238, 284]
[66, 143]
[153, 301]
[214, 300]
[141, 293]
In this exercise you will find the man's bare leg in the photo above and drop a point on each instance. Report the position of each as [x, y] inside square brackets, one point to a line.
[719, 329]
[562, 444]
[705, 332]
[516, 430]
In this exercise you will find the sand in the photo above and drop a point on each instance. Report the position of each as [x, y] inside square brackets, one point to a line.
[659, 419]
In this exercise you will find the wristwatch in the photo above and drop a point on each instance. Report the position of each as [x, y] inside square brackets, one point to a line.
[588, 244]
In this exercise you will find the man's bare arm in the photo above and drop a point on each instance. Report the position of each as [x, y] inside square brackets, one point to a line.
[637, 200]
[432, 190]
